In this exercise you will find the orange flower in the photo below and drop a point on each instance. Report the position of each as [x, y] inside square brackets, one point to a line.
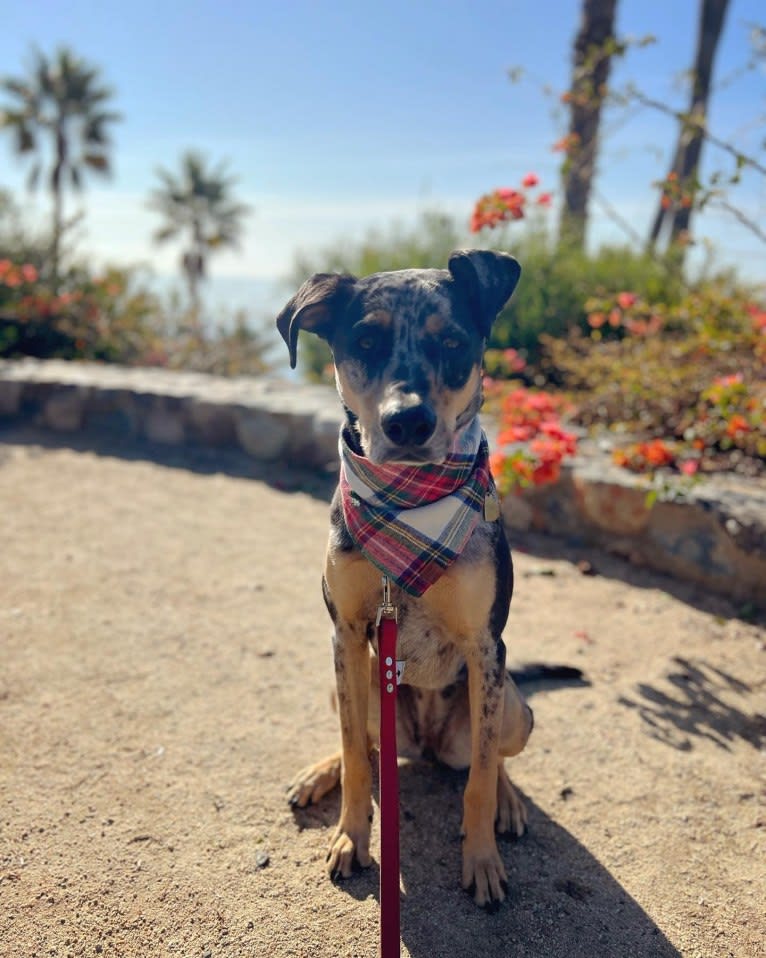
[736, 425]
[496, 462]
[656, 453]
[566, 143]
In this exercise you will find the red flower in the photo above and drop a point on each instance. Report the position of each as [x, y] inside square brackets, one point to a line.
[515, 433]
[546, 472]
[734, 380]
[656, 453]
[531, 179]
[544, 199]
[736, 425]
[626, 300]
[29, 273]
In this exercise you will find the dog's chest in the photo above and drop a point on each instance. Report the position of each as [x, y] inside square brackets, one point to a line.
[432, 657]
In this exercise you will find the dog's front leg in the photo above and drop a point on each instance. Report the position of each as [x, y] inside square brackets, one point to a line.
[351, 840]
[483, 869]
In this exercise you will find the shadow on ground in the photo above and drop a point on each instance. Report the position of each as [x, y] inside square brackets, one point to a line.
[205, 460]
[562, 901]
[695, 708]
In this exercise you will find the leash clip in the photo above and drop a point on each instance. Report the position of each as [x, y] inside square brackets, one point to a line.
[386, 609]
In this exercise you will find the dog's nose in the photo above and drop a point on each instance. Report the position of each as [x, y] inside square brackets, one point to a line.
[411, 426]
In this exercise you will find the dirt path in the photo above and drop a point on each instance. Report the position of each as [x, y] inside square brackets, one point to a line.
[165, 669]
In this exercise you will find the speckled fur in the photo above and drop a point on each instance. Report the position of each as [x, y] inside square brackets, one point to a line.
[415, 339]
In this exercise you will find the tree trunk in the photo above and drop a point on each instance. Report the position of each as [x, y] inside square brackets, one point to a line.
[676, 216]
[58, 207]
[592, 61]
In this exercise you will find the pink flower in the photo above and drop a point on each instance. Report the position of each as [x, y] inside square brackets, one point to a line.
[531, 179]
[514, 362]
[734, 380]
[689, 467]
[29, 273]
[626, 300]
[544, 199]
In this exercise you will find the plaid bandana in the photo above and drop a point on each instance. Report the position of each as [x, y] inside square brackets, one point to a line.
[412, 521]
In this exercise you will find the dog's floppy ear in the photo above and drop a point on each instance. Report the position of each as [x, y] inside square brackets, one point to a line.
[488, 278]
[314, 307]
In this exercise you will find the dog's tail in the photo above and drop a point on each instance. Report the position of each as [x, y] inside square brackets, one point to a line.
[541, 672]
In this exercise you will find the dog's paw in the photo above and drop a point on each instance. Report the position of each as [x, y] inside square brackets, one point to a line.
[511, 812]
[484, 876]
[347, 849]
[312, 783]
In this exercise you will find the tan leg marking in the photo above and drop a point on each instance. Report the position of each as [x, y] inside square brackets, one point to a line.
[483, 869]
[511, 816]
[350, 581]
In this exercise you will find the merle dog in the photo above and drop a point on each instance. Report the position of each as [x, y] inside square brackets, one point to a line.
[408, 348]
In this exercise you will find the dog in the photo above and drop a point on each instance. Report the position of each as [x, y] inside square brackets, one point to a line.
[408, 348]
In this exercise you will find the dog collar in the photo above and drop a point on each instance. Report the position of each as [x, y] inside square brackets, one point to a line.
[413, 521]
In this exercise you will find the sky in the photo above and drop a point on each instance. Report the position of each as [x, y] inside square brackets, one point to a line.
[340, 116]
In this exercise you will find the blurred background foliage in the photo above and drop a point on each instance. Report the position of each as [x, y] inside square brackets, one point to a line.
[642, 345]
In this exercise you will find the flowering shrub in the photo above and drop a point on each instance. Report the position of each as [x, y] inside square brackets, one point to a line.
[94, 318]
[690, 376]
[653, 454]
[504, 204]
[502, 363]
[111, 318]
[532, 440]
[627, 312]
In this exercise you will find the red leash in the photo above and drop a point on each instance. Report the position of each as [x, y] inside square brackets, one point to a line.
[389, 779]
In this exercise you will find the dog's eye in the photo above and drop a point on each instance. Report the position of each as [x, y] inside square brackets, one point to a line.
[367, 342]
[451, 343]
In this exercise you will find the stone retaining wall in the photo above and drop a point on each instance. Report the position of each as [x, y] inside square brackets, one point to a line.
[271, 420]
[715, 536]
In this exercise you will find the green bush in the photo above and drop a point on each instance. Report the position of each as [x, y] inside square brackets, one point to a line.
[557, 283]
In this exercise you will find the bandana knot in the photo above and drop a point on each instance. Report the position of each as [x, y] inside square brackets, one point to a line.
[413, 521]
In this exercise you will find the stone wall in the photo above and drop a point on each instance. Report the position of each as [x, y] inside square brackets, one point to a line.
[271, 420]
[714, 536]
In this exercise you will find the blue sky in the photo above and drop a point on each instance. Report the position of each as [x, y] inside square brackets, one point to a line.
[338, 116]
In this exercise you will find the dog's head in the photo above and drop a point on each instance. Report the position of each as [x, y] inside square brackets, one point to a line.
[407, 347]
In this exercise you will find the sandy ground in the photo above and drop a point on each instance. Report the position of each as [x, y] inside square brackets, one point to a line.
[165, 669]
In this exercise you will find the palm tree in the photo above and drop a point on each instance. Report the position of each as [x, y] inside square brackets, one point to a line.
[59, 118]
[198, 207]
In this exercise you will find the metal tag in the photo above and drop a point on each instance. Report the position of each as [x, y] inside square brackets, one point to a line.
[491, 506]
[400, 663]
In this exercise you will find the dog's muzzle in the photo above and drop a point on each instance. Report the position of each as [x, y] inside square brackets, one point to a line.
[409, 426]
